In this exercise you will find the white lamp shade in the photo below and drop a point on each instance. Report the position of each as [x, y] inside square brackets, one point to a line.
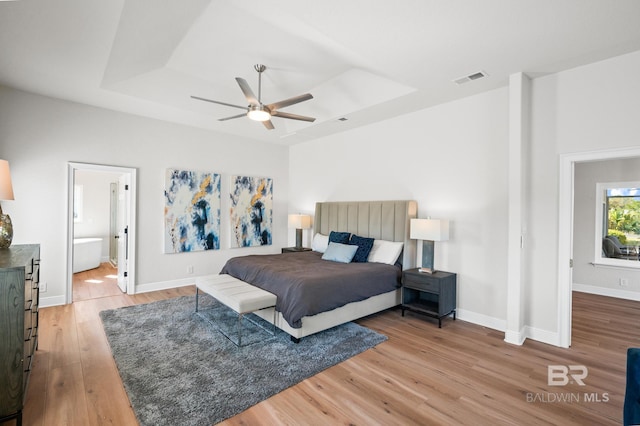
[299, 221]
[429, 229]
[6, 188]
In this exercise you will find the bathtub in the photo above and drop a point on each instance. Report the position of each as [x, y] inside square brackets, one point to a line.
[87, 253]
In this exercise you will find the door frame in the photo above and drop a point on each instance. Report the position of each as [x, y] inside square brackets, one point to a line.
[565, 229]
[132, 206]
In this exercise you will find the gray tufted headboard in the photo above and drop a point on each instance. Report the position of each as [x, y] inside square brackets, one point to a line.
[385, 220]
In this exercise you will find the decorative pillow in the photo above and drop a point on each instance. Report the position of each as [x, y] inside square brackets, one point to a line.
[385, 252]
[339, 237]
[342, 253]
[364, 247]
[320, 243]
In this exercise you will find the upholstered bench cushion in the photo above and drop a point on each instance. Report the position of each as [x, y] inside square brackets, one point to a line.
[631, 409]
[236, 294]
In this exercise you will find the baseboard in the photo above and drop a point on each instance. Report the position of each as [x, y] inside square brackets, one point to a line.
[164, 285]
[47, 302]
[515, 337]
[543, 336]
[512, 337]
[480, 319]
[604, 291]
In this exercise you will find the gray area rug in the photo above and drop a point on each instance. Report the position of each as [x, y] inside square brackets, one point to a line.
[178, 368]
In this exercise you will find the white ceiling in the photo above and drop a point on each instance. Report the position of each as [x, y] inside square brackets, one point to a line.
[364, 60]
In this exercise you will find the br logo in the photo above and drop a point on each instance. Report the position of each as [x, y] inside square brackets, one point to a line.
[561, 375]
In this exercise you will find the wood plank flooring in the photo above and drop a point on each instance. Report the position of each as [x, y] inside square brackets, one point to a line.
[459, 374]
[96, 283]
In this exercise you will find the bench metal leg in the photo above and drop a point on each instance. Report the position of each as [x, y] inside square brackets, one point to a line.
[239, 330]
[274, 320]
[239, 321]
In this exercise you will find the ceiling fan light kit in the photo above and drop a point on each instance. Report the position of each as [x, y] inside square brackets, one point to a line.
[259, 113]
[256, 110]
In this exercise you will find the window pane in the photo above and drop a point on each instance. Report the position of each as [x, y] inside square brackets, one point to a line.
[622, 210]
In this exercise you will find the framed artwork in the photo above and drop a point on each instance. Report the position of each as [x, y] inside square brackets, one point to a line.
[251, 211]
[191, 211]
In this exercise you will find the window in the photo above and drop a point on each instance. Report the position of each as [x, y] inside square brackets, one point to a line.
[618, 224]
[77, 203]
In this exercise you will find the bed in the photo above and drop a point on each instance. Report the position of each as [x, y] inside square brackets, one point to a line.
[310, 302]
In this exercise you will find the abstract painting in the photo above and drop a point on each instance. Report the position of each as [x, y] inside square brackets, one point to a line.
[192, 211]
[251, 211]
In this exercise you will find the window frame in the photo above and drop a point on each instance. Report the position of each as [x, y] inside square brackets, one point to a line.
[601, 228]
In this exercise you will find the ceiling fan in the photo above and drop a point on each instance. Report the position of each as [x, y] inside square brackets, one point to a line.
[258, 111]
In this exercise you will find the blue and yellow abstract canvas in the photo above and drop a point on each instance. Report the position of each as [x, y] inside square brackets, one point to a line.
[192, 211]
[251, 211]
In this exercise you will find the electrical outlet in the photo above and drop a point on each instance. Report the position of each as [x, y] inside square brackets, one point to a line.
[624, 282]
[190, 269]
[43, 287]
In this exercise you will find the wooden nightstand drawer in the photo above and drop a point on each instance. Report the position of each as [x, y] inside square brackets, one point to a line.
[421, 284]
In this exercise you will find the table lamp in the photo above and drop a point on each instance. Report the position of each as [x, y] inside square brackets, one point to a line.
[429, 231]
[300, 222]
[6, 193]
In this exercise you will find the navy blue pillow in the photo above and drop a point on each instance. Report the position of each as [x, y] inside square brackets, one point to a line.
[364, 248]
[339, 237]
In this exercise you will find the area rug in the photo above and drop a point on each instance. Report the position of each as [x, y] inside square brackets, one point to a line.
[178, 368]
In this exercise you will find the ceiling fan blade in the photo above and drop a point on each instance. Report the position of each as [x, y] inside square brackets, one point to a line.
[248, 93]
[218, 102]
[290, 101]
[232, 117]
[268, 124]
[292, 116]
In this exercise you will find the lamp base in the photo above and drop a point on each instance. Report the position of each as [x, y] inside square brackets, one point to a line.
[427, 257]
[299, 238]
[6, 230]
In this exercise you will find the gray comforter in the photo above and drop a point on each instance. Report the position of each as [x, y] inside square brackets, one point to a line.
[307, 285]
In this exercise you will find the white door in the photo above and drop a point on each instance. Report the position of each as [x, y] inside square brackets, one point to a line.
[123, 232]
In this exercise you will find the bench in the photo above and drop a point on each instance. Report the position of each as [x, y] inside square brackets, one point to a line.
[238, 295]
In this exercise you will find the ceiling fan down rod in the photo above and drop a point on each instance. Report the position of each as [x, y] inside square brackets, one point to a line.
[260, 69]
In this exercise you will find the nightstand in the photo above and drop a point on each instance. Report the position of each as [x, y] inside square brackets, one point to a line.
[295, 249]
[429, 294]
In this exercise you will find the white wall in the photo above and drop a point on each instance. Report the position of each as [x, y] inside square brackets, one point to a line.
[96, 198]
[590, 108]
[40, 135]
[451, 159]
[585, 275]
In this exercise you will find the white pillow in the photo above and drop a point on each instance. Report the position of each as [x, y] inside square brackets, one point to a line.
[342, 253]
[385, 252]
[320, 243]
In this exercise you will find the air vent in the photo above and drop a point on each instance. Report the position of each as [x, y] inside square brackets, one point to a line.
[475, 76]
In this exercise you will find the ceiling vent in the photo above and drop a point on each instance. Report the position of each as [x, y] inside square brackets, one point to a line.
[475, 76]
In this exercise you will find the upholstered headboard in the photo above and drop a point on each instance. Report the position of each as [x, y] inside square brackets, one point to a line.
[385, 220]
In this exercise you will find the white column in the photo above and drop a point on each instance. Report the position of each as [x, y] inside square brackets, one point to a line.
[519, 130]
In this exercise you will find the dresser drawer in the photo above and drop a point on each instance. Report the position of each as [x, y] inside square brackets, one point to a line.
[422, 284]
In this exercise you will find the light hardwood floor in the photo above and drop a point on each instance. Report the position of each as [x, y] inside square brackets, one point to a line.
[459, 374]
[96, 283]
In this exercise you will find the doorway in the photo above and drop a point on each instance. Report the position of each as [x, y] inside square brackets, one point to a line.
[101, 230]
[565, 230]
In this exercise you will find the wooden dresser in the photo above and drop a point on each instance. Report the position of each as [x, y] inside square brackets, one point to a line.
[19, 298]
